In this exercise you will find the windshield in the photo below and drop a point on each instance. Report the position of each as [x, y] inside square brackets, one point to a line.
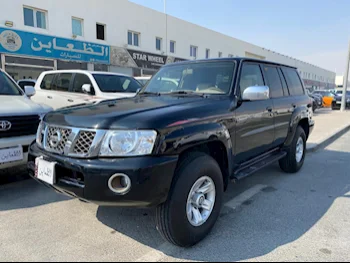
[7, 86]
[202, 78]
[114, 83]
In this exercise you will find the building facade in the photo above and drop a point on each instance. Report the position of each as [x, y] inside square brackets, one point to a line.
[118, 36]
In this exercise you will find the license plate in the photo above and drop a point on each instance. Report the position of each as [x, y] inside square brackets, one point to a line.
[11, 154]
[338, 102]
[45, 171]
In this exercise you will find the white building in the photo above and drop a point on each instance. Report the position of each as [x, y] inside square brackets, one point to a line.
[119, 36]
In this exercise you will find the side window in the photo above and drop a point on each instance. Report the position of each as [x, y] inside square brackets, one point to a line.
[273, 81]
[62, 82]
[284, 83]
[293, 81]
[251, 76]
[47, 82]
[79, 81]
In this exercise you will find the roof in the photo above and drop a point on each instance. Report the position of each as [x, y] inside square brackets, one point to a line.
[236, 59]
[84, 72]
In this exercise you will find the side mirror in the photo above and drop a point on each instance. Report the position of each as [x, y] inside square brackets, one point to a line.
[86, 88]
[256, 93]
[29, 91]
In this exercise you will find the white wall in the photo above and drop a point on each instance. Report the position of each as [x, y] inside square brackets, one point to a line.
[122, 15]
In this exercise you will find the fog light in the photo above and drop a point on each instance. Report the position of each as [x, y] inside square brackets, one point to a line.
[119, 184]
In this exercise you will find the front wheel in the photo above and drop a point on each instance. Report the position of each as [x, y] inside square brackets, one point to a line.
[194, 202]
[295, 158]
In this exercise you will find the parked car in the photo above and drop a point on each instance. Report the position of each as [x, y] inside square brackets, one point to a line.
[26, 83]
[177, 149]
[317, 101]
[143, 80]
[327, 96]
[66, 88]
[19, 120]
[336, 104]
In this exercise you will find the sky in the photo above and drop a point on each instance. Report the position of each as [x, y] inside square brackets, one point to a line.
[314, 31]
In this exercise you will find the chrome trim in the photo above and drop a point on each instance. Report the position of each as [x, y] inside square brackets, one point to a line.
[73, 139]
[254, 93]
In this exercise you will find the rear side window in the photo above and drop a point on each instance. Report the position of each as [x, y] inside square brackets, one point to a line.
[46, 83]
[293, 81]
[79, 81]
[251, 76]
[62, 82]
[273, 81]
[113, 83]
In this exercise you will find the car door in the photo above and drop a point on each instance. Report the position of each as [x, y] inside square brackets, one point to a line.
[77, 96]
[44, 93]
[60, 93]
[282, 102]
[254, 119]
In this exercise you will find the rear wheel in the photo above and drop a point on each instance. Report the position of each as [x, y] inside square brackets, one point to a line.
[194, 202]
[295, 158]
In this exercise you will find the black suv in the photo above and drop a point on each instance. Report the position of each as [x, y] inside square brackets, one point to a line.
[194, 128]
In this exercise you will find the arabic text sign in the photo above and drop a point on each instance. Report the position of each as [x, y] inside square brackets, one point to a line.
[25, 43]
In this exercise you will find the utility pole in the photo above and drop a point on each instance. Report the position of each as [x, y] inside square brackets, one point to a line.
[345, 85]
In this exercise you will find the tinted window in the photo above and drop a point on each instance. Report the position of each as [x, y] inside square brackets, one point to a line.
[46, 83]
[284, 83]
[293, 81]
[23, 84]
[79, 81]
[114, 83]
[250, 76]
[273, 81]
[62, 82]
[7, 86]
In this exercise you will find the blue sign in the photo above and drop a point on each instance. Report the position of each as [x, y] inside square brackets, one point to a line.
[25, 43]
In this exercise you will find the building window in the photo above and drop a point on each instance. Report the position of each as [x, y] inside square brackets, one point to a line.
[193, 51]
[220, 54]
[101, 31]
[77, 26]
[158, 43]
[207, 53]
[172, 46]
[34, 17]
[133, 39]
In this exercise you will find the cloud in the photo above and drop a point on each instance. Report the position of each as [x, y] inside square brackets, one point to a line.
[333, 60]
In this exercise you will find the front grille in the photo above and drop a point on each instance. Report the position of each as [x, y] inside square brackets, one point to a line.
[69, 141]
[57, 138]
[20, 126]
[83, 144]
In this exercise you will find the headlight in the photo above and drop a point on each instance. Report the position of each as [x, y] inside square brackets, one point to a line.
[40, 133]
[128, 143]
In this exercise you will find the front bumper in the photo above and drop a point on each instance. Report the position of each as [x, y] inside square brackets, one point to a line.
[87, 179]
[24, 141]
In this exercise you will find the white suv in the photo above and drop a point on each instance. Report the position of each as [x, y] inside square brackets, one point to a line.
[19, 121]
[66, 88]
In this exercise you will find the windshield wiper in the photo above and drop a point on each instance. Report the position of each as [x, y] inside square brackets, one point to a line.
[150, 93]
[185, 92]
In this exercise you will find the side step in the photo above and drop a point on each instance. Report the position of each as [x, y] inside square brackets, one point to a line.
[248, 169]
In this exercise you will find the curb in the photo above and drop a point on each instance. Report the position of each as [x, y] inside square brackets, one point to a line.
[329, 140]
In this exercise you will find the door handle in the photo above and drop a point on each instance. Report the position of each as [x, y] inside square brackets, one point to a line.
[49, 97]
[70, 100]
[294, 105]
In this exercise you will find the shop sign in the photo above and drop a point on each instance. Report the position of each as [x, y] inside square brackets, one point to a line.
[137, 59]
[38, 45]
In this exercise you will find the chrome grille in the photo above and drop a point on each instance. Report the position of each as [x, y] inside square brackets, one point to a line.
[56, 139]
[84, 142]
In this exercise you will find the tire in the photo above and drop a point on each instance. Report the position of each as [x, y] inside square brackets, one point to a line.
[290, 164]
[171, 217]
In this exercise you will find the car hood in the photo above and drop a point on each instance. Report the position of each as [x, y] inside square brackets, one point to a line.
[134, 113]
[20, 105]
